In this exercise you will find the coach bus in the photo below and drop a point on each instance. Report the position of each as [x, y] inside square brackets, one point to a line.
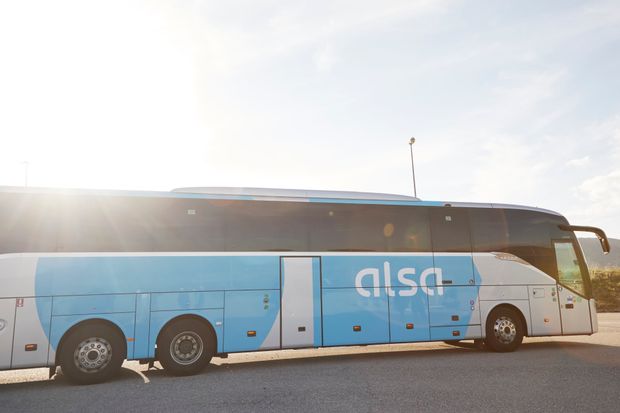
[89, 278]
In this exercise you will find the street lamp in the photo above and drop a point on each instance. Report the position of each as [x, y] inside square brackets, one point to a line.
[411, 142]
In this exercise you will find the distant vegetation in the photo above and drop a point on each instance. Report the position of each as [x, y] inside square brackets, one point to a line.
[604, 271]
[606, 288]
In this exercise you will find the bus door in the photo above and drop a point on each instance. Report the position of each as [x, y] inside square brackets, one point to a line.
[454, 307]
[572, 289]
[300, 283]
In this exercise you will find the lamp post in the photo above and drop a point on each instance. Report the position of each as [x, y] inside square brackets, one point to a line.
[411, 142]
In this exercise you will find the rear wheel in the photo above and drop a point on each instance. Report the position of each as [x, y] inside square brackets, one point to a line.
[92, 353]
[185, 347]
[452, 342]
[504, 330]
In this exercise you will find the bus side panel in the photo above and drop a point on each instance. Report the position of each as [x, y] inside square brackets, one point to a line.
[7, 321]
[61, 324]
[94, 304]
[252, 320]
[506, 269]
[187, 301]
[408, 316]
[455, 333]
[454, 306]
[456, 269]
[139, 274]
[143, 327]
[160, 318]
[32, 327]
[350, 318]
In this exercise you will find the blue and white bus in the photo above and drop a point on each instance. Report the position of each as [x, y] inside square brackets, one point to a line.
[89, 279]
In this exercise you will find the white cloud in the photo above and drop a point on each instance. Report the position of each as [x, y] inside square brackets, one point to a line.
[324, 59]
[579, 162]
[604, 189]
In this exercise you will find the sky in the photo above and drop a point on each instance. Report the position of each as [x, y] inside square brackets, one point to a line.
[509, 102]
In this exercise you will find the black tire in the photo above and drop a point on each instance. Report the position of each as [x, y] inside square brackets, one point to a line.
[504, 330]
[185, 347]
[92, 353]
[452, 342]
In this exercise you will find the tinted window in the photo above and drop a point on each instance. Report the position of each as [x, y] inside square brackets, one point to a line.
[93, 223]
[526, 234]
[27, 223]
[355, 227]
[450, 230]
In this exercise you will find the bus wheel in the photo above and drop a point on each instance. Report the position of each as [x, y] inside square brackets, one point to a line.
[504, 330]
[185, 347]
[92, 353]
[452, 342]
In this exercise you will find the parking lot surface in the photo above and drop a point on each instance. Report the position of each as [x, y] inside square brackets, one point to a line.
[545, 374]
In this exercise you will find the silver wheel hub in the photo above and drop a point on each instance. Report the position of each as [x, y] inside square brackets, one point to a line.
[186, 347]
[505, 330]
[92, 355]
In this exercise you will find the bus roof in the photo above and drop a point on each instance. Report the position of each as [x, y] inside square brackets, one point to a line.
[271, 194]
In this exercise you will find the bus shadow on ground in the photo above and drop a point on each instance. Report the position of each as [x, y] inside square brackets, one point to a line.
[584, 352]
[595, 353]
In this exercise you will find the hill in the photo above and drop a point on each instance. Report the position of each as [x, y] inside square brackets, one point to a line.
[594, 254]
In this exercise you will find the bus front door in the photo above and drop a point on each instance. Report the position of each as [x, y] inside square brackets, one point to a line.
[574, 307]
[300, 279]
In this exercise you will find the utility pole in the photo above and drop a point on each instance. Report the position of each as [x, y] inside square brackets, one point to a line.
[411, 142]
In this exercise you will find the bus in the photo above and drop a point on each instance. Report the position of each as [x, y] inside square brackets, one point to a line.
[90, 278]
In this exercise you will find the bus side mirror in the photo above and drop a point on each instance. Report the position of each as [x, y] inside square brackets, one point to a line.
[600, 234]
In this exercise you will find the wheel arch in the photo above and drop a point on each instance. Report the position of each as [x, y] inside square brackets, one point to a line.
[88, 322]
[514, 308]
[194, 317]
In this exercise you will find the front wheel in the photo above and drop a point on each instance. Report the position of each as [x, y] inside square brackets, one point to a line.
[504, 330]
[185, 347]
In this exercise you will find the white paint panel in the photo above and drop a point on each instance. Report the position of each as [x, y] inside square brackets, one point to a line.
[575, 311]
[503, 292]
[17, 273]
[272, 341]
[544, 311]
[487, 306]
[297, 303]
[29, 330]
[503, 271]
[7, 319]
[474, 332]
[594, 315]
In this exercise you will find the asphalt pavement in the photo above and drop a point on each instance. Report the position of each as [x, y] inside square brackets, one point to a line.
[566, 374]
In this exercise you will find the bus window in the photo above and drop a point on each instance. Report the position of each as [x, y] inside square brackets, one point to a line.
[526, 234]
[569, 271]
[450, 230]
[381, 228]
[27, 223]
[489, 230]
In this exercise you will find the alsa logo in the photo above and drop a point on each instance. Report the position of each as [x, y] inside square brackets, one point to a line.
[405, 278]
